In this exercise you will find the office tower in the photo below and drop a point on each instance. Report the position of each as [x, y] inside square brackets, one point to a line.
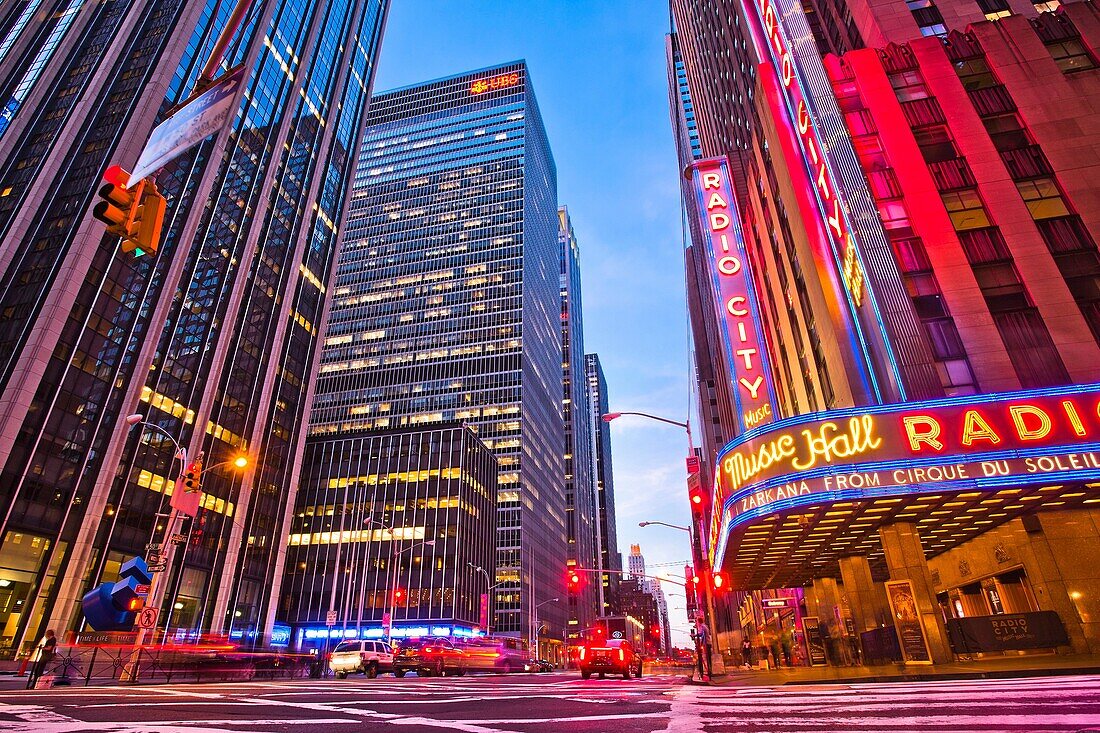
[213, 340]
[392, 521]
[611, 560]
[446, 306]
[913, 220]
[643, 598]
[581, 520]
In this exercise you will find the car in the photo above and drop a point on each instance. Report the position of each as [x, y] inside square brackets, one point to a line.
[538, 665]
[360, 655]
[614, 656]
[429, 658]
[495, 653]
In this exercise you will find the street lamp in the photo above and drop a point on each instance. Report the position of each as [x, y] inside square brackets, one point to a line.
[488, 595]
[535, 616]
[666, 524]
[393, 585]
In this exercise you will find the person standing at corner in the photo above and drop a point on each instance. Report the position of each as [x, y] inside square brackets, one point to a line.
[46, 651]
[703, 645]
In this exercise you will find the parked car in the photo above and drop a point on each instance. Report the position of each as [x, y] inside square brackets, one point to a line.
[429, 658]
[614, 656]
[538, 665]
[495, 653]
[368, 657]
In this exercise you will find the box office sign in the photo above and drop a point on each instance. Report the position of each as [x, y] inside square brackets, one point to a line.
[1007, 632]
[974, 442]
[903, 607]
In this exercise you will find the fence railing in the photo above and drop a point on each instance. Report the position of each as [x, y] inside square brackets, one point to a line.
[128, 664]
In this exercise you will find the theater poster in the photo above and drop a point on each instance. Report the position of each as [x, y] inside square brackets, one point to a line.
[911, 638]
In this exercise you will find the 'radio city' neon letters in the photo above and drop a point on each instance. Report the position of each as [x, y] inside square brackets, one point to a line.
[732, 283]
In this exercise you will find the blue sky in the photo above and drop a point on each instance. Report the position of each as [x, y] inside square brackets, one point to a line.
[598, 71]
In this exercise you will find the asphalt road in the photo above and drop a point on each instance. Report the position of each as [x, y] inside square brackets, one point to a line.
[559, 702]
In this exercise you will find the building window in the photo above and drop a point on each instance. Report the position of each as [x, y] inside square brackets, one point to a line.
[908, 85]
[975, 74]
[995, 9]
[935, 144]
[1043, 198]
[965, 209]
[1031, 349]
[1071, 55]
[1047, 7]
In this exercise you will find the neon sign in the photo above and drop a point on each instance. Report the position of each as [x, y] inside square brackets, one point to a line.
[825, 188]
[492, 84]
[962, 443]
[731, 277]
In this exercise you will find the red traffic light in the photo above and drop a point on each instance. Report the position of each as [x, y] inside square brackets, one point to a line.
[720, 582]
[398, 595]
[135, 604]
[117, 176]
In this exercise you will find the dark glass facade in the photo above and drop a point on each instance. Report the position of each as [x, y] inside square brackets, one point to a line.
[213, 340]
[611, 560]
[581, 515]
[446, 306]
[379, 512]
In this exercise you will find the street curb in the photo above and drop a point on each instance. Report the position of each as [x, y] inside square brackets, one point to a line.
[910, 677]
[926, 677]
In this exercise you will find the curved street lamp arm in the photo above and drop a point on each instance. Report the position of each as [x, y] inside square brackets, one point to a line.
[666, 524]
[608, 418]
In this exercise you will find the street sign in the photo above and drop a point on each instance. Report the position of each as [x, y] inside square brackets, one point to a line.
[178, 539]
[142, 589]
[147, 618]
[776, 602]
[386, 620]
[330, 618]
[198, 118]
[692, 464]
[159, 567]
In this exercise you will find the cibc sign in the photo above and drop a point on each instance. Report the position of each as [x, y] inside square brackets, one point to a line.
[731, 279]
[977, 442]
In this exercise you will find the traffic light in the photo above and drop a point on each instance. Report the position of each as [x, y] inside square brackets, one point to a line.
[398, 596]
[573, 580]
[696, 496]
[719, 581]
[134, 213]
[192, 476]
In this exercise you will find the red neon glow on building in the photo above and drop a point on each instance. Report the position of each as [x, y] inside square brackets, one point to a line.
[824, 186]
[497, 82]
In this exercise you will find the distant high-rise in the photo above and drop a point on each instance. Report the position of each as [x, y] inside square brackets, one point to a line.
[213, 340]
[611, 560]
[446, 307]
[581, 520]
[657, 626]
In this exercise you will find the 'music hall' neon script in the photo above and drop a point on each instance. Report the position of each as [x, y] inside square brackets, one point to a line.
[497, 82]
[731, 279]
[825, 188]
[961, 443]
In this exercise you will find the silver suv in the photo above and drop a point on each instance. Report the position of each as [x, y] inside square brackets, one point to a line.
[358, 655]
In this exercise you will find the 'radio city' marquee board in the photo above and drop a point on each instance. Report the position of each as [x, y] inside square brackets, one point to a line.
[975, 442]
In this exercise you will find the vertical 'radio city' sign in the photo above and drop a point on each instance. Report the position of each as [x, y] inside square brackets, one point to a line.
[731, 277]
[825, 189]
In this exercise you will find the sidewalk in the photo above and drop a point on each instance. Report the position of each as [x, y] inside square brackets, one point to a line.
[995, 668]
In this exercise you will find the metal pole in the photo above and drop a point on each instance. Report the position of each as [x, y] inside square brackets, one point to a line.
[220, 45]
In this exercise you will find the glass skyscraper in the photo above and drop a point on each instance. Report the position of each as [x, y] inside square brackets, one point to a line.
[213, 341]
[446, 306]
[611, 560]
[580, 493]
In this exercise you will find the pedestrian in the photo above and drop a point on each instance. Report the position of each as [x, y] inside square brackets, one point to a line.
[746, 651]
[702, 642]
[45, 652]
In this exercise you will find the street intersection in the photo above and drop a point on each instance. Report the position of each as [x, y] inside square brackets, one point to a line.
[559, 702]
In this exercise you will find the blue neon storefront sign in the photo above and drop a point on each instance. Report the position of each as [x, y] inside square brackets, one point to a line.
[976, 442]
[311, 633]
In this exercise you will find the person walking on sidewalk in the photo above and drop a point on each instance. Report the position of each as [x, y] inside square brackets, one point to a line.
[46, 651]
[746, 651]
